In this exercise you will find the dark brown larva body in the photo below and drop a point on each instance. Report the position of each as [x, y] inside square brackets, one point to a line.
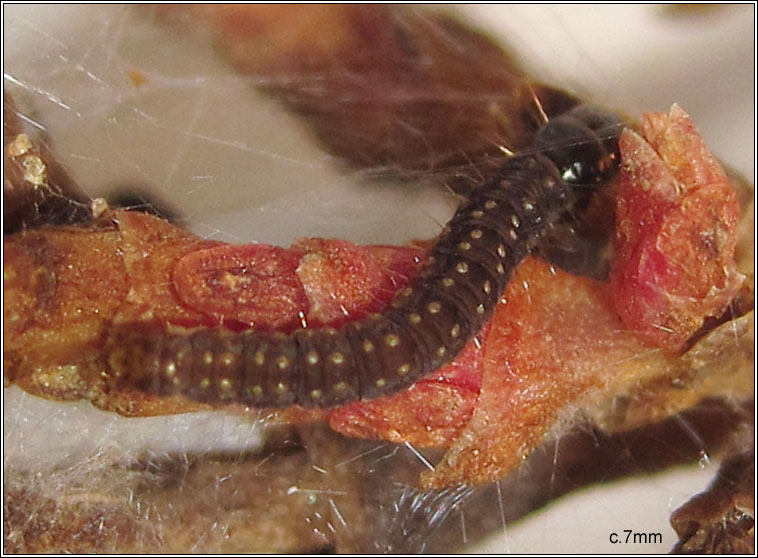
[427, 324]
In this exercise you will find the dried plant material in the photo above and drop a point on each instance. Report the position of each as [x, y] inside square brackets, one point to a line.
[676, 232]
[35, 188]
[18, 146]
[34, 171]
[53, 337]
[347, 282]
[271, 502]
[52, 334]
[721, 520]
[99, 207]
[255, 284]
[151, 249]
[311, 491]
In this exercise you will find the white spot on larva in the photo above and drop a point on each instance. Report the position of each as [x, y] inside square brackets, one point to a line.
[170, 369]
[205, 383]
[381, 382]
[313, 358]
[476, 234]
[464, 246]
[477, 213]
[282, 362]
[340, 386]
[461, 267]
[456, 331]
[512, 233]
[391, 340]
[441, 351]
[337, 358]
[515, 221]
[407, 291]
[259, 358]
[281, 388]
[480, 309]
[414, 318]
[225, 384]
[501, 251]
[316, 394]
[528, 206]
[403, 369]
[447, 281]
[208, 357]
[500, 269]
[255, 391]
[490, 204]
[368, 346]
[487, 287]
[227, 359]
[434, 307]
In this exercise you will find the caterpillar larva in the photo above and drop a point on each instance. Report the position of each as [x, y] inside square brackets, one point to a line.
[427, 323]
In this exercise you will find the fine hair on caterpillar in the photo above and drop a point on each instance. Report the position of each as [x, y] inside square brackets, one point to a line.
[427, 323]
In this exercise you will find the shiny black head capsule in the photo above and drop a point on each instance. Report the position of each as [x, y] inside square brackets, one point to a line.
[583, 144]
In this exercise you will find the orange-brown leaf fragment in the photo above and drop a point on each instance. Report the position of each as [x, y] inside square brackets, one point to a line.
[254, 284]
[52, 332]
[151, 248]
[555, 344]
[676, 232]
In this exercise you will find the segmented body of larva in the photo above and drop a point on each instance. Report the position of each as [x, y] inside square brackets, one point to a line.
[427, 323]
